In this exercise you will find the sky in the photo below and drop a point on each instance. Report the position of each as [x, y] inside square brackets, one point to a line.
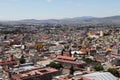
[57, 9]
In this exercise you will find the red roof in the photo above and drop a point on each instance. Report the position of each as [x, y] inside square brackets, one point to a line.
[7, 62]
[66, 58]
[16, 79]
[69, 62]
[38, 72]
[45, 37]
[85, 78]
[64, 79]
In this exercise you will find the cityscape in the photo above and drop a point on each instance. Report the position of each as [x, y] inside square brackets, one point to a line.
[68, 47]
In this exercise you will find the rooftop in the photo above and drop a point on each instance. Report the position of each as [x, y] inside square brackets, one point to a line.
[66, 58]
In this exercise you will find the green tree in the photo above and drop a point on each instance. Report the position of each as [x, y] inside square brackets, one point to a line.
[113, 71]
[22, 60]
[98, 68]
[55, 65]
[87, 60]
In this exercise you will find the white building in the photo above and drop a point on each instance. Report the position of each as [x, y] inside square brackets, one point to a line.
[99, 76]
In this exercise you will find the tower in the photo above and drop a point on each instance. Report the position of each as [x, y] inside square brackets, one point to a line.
[101, 34]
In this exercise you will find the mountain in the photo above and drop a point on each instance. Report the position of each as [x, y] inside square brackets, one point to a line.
[80, 20]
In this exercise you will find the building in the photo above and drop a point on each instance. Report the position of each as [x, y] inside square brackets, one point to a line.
[36, 74]
[99, 76]
[67, 62]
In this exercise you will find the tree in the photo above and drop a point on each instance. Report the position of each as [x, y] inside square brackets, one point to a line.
[87, 60]
[72, 70]
[113, 71]
[5, 37]
[38, 46]
[98, 68]
[70, 53]
[22, 60]
[55, 65]
[62, 52]
[90, 39]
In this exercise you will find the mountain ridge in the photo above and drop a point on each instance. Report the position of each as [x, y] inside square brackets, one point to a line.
[84, 19]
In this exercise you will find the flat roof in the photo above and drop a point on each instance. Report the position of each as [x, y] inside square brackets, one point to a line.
[40, 71]
[69, 62]
[66, 57]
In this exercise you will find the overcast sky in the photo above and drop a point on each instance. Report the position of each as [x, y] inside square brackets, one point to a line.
[56, 9]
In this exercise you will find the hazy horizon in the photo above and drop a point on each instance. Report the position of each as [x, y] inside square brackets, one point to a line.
[57, 9]
[59, 18]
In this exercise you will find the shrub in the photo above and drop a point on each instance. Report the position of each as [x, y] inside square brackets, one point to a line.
[98, 68]
[113, 71]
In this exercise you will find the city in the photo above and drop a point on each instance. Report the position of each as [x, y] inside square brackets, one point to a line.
[59, 53]
[44, 40]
